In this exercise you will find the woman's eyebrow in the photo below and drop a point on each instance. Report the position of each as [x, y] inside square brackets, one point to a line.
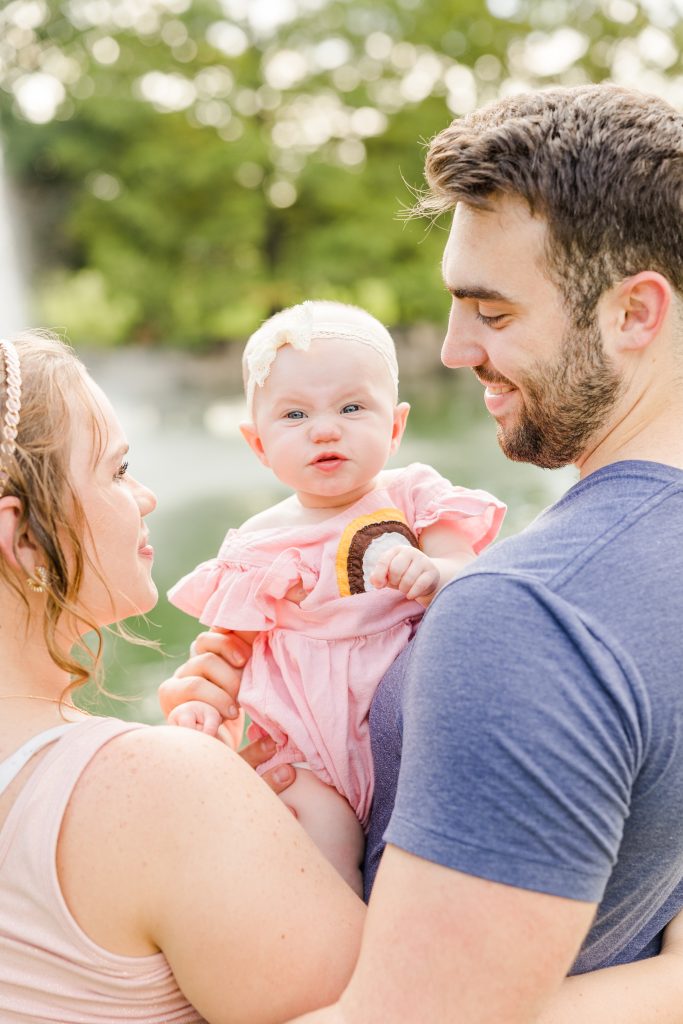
[118, 453]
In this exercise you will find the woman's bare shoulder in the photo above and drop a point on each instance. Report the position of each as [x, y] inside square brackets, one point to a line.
[172, 837]
[156, 756]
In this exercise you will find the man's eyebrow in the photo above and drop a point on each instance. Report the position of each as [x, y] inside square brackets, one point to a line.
[483, 294]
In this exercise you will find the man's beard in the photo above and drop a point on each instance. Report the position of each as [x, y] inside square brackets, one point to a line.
[565, 404]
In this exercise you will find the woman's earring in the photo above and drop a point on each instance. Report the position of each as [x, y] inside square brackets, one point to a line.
[39, 586]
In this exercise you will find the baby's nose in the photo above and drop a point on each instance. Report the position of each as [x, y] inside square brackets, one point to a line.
[325, 428]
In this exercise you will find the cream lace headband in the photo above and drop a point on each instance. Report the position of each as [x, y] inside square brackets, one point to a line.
[11, 385]
[302, 324]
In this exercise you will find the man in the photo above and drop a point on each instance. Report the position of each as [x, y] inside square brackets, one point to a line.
[538, 820]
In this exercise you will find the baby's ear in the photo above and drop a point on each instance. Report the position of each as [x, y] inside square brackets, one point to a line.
[400, 417]
[253, 439]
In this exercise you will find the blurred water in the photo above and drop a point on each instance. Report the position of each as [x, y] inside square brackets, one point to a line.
[181, 415]
[12, 294]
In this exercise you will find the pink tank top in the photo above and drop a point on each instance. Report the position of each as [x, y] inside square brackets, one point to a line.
[50, 971]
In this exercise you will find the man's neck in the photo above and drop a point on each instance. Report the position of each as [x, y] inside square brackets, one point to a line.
[659, 440]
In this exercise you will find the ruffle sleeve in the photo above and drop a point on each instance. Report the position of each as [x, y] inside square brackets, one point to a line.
[477, 514]
[241, 596]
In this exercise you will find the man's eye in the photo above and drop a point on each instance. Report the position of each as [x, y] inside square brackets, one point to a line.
[294, 414]
[491, 321]
[352, 407]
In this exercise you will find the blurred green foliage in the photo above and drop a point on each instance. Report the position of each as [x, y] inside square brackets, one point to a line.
[186, 167]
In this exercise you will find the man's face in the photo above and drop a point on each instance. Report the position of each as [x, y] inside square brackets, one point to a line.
[549, 385]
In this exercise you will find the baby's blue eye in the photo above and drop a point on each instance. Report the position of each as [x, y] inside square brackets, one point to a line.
[295, 414]
[351, 407]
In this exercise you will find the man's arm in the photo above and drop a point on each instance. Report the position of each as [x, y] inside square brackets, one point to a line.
[446, 947]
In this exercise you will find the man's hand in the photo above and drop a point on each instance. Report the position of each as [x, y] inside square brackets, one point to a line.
[259, 752]
[406, 569]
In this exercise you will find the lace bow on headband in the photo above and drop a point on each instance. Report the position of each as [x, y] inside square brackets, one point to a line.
[298, 327]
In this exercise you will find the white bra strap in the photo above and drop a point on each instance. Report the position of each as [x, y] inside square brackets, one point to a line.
[10, 768]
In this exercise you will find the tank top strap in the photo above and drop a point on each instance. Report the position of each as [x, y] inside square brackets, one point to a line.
[42, 801]
[11, 766]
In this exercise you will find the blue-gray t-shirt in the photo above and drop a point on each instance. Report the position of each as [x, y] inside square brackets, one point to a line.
[538, 716]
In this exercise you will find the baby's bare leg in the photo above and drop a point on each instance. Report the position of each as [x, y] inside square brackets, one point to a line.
[330, 822]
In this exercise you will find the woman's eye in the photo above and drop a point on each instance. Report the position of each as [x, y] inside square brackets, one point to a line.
[490, 321]
[295, 414]
[121, 471]
[351, 407]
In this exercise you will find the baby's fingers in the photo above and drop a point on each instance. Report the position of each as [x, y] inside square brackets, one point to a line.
[196, 715]
[425, 584]
[388, 571]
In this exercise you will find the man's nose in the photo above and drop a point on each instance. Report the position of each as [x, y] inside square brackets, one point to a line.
[461, 347]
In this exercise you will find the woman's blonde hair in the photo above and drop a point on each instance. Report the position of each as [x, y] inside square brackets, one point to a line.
[53, 383]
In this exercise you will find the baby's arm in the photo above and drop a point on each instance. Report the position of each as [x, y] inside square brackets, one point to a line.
[419, 573]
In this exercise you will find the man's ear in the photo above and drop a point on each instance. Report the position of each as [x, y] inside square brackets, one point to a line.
[10, 513]
[400, 417]
[253, 439]
[639, 307]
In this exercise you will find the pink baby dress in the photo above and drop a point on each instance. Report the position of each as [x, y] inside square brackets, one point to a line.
[315, 665]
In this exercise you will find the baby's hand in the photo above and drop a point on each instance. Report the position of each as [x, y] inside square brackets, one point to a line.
[196, 714]
[407, 569]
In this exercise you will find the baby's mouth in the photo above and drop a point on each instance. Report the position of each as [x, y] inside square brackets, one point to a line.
[328, 458]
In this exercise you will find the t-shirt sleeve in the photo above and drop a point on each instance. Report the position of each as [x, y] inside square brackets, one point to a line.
[523, 734]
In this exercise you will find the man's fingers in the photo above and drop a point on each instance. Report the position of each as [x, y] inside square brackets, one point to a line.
[280, 778]
[259, 751]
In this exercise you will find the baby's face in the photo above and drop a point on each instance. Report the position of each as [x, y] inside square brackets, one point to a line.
[326, 420]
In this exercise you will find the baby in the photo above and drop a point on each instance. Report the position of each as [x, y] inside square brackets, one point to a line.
[330, 582]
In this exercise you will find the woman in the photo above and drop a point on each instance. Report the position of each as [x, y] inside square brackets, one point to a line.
[146, 873]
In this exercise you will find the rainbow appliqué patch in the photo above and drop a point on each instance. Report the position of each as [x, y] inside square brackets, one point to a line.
[363, 541]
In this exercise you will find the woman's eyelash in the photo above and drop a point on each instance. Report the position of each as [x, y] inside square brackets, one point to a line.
[122, 470]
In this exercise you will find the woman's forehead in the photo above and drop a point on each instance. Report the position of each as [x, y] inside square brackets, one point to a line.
[96, 429]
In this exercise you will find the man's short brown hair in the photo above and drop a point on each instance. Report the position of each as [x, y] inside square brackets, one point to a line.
[602, 165]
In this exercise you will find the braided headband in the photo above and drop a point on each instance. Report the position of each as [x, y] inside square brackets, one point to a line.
[298, 327]
[11, 379]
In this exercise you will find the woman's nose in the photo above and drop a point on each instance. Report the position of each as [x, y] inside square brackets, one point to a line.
[460, 346]
[146, 499]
